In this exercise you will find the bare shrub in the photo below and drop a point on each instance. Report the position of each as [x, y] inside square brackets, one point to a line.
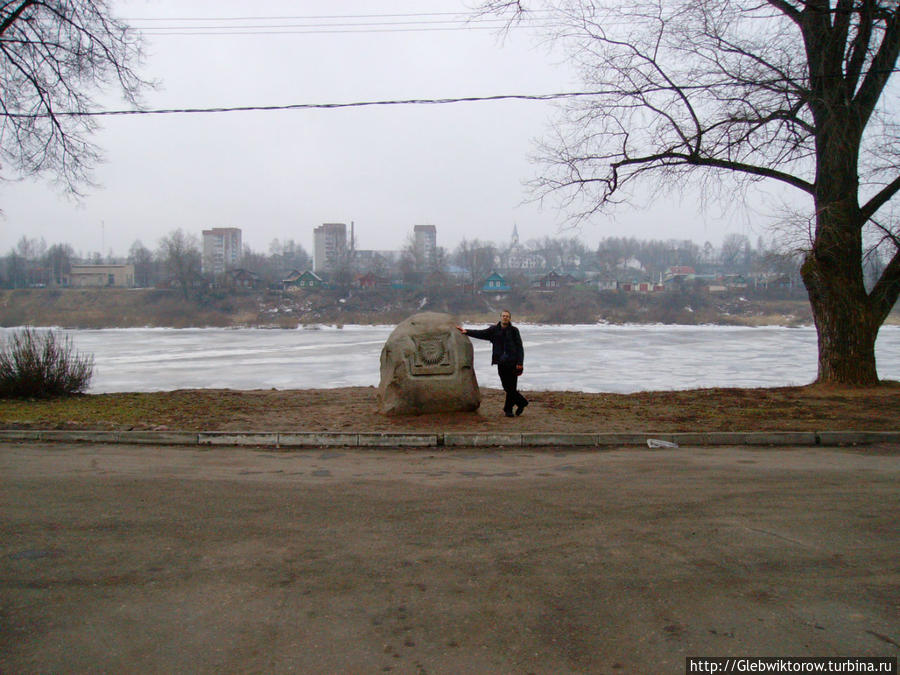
[37, 364]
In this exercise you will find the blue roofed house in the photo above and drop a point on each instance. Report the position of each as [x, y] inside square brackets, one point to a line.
[495, 283]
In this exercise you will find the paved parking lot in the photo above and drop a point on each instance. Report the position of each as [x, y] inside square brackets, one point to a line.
[143, 559]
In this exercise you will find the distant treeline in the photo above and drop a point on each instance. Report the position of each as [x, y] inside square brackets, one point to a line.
[176, 261]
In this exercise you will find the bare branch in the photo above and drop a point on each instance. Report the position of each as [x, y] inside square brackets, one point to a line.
[858, 48]
[789, 10]
[53, 54]
[882, 67]
[884, 294]
[869, 210]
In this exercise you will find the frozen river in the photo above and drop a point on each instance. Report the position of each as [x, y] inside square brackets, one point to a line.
[590, 358]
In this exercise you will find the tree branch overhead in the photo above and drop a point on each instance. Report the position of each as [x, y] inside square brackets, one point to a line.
[53, 55]
[784, 90]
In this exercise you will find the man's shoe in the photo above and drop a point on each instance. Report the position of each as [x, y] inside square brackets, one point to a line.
[508, 413]
[520, 408]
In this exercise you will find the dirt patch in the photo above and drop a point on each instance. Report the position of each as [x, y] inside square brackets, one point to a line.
[811, 408]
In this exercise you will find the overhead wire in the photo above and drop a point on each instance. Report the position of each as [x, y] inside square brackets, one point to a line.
[302, 17]
[317, 31]
[421, 21]
[346, 23]
[310, 106]
[323, 106]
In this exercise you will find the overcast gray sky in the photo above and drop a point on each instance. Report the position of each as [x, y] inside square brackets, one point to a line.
[279, 174]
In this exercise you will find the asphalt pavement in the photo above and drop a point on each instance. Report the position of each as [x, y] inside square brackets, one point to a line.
[122, 557]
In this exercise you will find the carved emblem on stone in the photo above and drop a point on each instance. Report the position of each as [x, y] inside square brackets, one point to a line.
[432, 355]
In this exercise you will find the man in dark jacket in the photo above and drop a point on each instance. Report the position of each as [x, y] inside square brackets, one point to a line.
[508, 354]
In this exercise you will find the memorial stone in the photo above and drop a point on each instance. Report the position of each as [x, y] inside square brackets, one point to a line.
[427, 366]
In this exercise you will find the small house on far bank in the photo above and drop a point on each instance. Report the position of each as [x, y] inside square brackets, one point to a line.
[641, 286]
[194, 282]
[100, 276]
[242, 279]
[302, 280]
[371, 280]
[603, 282]
[554, 281]
[680, 271]
[735, 281]
[495, 283]
[784, 282]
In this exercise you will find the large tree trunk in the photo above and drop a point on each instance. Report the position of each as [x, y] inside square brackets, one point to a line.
[846, 325]
[845, 321]
[846, 335]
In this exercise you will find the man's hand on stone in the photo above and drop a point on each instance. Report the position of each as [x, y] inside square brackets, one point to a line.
[461, 329]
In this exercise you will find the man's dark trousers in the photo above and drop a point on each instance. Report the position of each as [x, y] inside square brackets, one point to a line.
[509, 377]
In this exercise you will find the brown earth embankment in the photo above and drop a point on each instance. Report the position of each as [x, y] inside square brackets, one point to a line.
[121, 308]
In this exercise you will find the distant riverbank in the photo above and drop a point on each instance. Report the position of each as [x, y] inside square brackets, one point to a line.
[120, 308]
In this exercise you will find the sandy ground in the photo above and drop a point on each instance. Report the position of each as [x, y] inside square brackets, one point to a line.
[811, 408]
[126, 559]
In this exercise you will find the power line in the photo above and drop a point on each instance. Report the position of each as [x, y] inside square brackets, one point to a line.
[313, 106]
[213, 33]
[463, 16]
[333, 106]
[295, 17]
[362, 23]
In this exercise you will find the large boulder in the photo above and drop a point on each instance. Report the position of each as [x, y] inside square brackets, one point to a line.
[427, 367]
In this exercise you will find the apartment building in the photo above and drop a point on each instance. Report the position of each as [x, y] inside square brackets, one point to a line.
[222, 249]
[329, 244]
[425, 242]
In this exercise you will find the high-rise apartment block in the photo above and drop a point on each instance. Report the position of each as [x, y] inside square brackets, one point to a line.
[425, 242]
[329, 245]
[221, 250]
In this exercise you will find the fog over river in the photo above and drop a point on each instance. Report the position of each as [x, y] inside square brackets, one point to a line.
[589, 358]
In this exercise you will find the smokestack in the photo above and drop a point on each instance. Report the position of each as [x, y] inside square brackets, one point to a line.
[352, 237]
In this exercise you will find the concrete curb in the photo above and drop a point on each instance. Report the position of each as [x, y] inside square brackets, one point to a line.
[452, 439]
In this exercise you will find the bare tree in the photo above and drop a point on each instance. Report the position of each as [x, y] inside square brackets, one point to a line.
[791, 91]
[180, 255]
[411, 262]
[53, 53]
[144, 265]
[734, 247]
[31, 249]
[58, 261]
[288, 255]
[559, 252]
[477, 258]
[15, 270]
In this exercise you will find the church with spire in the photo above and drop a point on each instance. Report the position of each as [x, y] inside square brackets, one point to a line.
[516, 257]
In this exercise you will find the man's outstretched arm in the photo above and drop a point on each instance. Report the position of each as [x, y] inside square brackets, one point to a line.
[471, 332]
